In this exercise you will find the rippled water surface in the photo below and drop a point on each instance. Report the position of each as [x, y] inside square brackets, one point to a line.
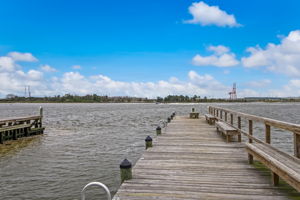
[87, 142]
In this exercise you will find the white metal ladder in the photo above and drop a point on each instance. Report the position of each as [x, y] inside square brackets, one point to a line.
[95, 184]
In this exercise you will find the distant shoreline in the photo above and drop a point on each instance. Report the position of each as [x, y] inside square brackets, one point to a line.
[68, 98]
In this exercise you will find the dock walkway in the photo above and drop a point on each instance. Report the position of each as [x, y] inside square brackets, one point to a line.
[191, 161]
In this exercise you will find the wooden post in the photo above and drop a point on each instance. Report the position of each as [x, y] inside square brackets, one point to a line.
[225, 116]
[217, 113]
[275, 179]
[297, 144]
[41, 114]
[125, 170]
[214, 112]
[240, 127]
[193, 109]
[14, 132]
[169, 119]
[221, 114]
[268, 133]
[26, 132]
[250, 157]
[250, 130]
[1, 138]
[148, 142]
[158, 130]
[231, 119]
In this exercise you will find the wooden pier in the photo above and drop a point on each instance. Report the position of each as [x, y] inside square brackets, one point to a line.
[14, 128]
[190, 160]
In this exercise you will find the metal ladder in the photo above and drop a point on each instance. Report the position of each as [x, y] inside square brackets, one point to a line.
[101, 185]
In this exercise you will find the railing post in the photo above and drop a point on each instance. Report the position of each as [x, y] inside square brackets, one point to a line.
[217, 113]
[231, 119]
[275, 179]
[250, 157]
[41, 115]
[268, 133]
[225, 116]
[250, 130]
[214, 112]
[297, 144]
[240, 127]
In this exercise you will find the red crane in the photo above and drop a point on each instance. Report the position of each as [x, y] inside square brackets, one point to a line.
[232, 93]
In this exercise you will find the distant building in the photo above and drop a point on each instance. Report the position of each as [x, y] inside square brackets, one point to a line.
[11, 96]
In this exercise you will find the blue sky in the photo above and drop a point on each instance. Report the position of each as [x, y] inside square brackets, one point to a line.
[150, 48]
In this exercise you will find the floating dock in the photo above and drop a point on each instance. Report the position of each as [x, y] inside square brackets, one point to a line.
[14, 128]
[190, 160]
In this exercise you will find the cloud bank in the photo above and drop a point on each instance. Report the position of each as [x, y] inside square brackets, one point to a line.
[283, 58]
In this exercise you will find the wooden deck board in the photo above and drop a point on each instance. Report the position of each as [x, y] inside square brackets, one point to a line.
[191, 161]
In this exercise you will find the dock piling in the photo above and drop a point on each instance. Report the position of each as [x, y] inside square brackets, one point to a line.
[125, 170]
[148, 142]
[158, 130]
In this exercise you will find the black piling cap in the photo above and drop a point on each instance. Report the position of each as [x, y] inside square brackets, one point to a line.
[125, 164]
[148, 139]
[169, 119]
[174, 114]
[158, 128]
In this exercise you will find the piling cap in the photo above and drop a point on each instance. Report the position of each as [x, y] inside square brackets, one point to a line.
[125, 164]
[174, 113]
[169, 118]
[158, 128]
[148, 139]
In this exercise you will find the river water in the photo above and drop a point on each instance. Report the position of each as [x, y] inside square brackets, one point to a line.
[87, 142]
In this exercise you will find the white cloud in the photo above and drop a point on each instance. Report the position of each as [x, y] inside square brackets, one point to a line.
[222, 57]
[76, 67]
[282, 58]
[7, 64]
[219, 50]
[210, 15]
[259, 83]
[26, 57]
[48, 68]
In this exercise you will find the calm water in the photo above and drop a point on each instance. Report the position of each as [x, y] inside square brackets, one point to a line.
[87, 142]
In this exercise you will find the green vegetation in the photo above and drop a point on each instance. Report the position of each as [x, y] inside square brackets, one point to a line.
[283, 186]
[94, 98]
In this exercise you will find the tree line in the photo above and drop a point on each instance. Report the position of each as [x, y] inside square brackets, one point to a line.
[94, 98]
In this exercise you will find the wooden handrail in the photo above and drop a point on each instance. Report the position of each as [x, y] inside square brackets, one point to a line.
[20, 119]
[272, 122]
[268, 122]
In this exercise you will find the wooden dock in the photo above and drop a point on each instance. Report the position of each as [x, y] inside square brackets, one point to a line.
[190, 160]
[14, 128]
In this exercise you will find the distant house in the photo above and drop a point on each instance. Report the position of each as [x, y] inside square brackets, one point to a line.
[11, 96]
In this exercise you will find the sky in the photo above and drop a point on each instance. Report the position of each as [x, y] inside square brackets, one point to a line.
[151, 48]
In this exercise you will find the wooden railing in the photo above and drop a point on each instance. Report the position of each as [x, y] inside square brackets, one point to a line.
[229, 116]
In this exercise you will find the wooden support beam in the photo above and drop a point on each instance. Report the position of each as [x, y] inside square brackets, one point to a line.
[240, 127]
[1, 137]
[275, 179]
[231, 119]
[268, 133]
[297, 144]
[225, 116]
[250, 158]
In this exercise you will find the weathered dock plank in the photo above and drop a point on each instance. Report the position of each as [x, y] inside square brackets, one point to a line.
[191, 161]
